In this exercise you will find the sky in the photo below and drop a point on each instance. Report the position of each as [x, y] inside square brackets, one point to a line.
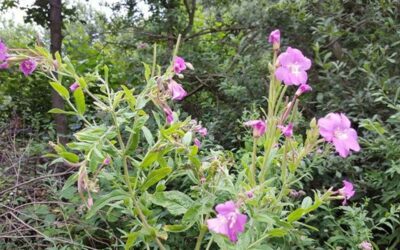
[17, 15]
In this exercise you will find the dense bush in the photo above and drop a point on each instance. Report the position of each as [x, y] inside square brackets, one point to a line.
[354, 49]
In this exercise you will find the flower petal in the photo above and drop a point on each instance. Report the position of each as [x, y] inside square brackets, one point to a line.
[226, 208]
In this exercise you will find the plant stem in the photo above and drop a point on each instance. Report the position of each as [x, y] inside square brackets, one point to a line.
[153, 68]
[201, 236]
[140, 213]
[209, 243]
[253, 164]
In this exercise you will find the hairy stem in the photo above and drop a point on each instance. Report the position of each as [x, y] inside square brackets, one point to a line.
[253, 164]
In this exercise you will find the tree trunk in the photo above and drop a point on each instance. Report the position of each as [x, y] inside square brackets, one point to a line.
[60, 121]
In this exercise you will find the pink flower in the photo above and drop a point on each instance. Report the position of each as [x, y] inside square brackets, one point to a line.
[229, 221]
[250, 194]
[287, 130]
[169, 114]
[365, 245]
[304, 88]
[292, 67]
[258, 126]
[74, 86]
[335, 128]
[347, 191]
[179, 64]
[178, 93]
[28, 66]
[275, 37]
[3, 52]
[107, 161]
[197, 142]
[4, 65]
[202, 131]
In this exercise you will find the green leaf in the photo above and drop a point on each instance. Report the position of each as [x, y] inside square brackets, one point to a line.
[117, 98]
[187, 138]
[306, 203]
[148, 136]
[149, 159]
[277, 232]
[80, 101]
[70, 181]
[131, 238]
[82, 82]
[295, 215]
[147, 71]
[70, 67]
[116, 195]
[129, 98]
[60, 111]
[92, 134]
[106, 71]
[175, 228]
[133, 143]
[155, 176]
[71, 157]
[58, 58]
[373, 126]
[61, 90]
[174, 201]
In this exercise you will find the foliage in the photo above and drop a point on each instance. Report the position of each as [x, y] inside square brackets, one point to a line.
[353, 46]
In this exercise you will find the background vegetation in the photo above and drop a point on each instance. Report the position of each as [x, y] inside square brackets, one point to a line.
[354, 47]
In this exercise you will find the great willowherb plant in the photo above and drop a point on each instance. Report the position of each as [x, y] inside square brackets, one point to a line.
[133, 171]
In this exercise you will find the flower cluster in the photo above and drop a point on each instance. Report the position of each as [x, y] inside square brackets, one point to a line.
[27, 66]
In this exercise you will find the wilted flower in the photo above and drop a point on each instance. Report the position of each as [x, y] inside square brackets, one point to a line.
[179, 64]
[258, 126]
[336, 128]
[177, 91]
[287, 130]
[169, 114]
[275, 37]
[74, 86]
[197, 142]
[107, 160]
[303, 88]
[90, 202]
[229, 221]
[292, 67]
[28, 66]
[142, 45]
[365, 245]
[296, 194]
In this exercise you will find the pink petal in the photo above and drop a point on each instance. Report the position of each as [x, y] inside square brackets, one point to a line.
[218, 225]
[341, 147]
[352, 140]
[283, 74]
[345, 121]
[226, 208]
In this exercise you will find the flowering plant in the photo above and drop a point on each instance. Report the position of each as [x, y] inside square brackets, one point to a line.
[142, 173]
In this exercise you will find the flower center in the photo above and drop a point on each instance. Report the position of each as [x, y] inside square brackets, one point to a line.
[232, 219]
[294, 68]
[341, 135]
